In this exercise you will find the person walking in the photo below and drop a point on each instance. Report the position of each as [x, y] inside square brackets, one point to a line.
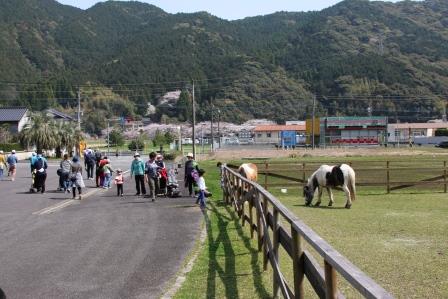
[202, 188]
[2, 164]
[119, 181]
[12, 162]
[138, 170]
[90, 163]
[107, 172]
[40, 165]
[151, 171]
[190, 166]
[76, 178]
[64, 178]
[98, 157]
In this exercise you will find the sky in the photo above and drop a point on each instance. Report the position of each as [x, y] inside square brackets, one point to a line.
[227, 9]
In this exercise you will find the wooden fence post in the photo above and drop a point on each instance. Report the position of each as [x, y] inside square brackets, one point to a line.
[275, 241]
[259, 228]
[266, 166]
[251, 213]
[265, 242]
[330, 282]
[297, 263]
[303, 173]
[444, 177]
[388, 177]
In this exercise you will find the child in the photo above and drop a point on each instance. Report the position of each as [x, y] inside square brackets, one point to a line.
[119, 182]
[202, 188]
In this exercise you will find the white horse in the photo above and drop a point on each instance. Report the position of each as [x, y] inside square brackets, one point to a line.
[330, 177]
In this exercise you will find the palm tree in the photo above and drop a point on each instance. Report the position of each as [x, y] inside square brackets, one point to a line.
[67, 137]
[39, 132]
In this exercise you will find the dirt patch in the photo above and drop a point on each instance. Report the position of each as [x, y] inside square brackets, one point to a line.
[240, 152]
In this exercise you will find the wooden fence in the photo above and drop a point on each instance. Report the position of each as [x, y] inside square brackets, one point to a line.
[269, 214]
[392, 175]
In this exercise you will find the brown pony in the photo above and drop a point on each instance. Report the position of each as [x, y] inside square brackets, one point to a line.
[249, 171]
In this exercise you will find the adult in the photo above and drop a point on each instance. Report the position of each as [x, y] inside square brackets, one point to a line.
[161, 187]
[64, 179]
[40, 165]
[97, 163]
[33, 159]
[2, 164]
[12, 162]
[138, 170]
[191, 166]
[90, 163]
[76, 178]
[101, 170]
[152, 176]
[107, 171]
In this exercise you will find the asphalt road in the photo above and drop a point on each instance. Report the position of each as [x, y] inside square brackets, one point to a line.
[101, 247]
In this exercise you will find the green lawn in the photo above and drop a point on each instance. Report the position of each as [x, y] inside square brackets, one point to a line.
[398, 239]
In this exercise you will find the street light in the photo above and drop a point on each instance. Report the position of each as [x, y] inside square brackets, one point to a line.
[219, 131]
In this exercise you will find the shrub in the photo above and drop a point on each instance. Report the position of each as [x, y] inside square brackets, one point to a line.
[137, 144]
[7, 147]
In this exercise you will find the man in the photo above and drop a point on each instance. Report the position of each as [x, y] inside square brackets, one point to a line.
[97, 162]
[12, 161]
[40, 165]
[152, 176]
[138, 169]
[190, 166]
[2, 164]
[90, 163]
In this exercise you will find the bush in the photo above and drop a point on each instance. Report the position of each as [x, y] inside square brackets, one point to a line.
[441, 132]
[170, 156]
[7, 147]
[137, 144]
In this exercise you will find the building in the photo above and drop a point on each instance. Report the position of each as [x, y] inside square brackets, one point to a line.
[60, 117]
[407, 132]
[272, 134]
[15, 117]
[352, 130]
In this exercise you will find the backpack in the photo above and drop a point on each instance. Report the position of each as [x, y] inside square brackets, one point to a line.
[39, 163]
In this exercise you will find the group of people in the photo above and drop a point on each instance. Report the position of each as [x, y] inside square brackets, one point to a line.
[149, 172]
[9, 164]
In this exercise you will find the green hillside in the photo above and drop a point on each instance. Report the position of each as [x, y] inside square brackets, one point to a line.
[390, 57]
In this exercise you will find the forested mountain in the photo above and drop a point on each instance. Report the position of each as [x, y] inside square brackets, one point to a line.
[392, 58]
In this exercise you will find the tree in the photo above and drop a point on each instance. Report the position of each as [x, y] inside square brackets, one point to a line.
[40, 132]
[116, 138]
[136, 145]
[159, 139]
[5, 134]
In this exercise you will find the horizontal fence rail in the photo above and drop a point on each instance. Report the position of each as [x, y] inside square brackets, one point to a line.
[392, 175]
[269, 214]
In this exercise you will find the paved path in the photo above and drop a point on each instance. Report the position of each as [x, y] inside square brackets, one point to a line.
[101, 247]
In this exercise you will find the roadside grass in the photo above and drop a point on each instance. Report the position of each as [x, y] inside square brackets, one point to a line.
[400, 239]
[228, 264]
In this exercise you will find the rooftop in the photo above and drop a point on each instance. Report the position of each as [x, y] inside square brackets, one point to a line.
[275, 128]
[12, 113]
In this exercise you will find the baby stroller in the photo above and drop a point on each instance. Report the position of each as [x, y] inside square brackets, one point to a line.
[163, 178]
[172, 185]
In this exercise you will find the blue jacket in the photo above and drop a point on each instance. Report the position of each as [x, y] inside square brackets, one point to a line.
[137, 167]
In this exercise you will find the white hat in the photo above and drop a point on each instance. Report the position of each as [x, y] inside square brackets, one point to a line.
[136, 155]
[190, 155]
[13, 151]
[1, 152]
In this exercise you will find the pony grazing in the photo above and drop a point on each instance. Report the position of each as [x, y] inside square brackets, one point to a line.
[330, 177]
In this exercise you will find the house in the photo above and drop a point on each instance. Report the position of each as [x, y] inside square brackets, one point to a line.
[15, 117]
[352, 130]
[407, 132]
[272, 134]
[60, 117]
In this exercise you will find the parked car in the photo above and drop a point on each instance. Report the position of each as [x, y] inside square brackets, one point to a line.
[443, 144]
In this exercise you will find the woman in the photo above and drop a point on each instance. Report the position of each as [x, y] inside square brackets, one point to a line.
[64, 179]
[191, 167]
[107, 171]
[76, 177]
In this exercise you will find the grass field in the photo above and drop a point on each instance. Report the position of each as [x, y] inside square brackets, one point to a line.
[398, 239]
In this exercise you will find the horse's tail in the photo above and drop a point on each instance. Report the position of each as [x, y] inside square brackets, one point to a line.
[351, 184]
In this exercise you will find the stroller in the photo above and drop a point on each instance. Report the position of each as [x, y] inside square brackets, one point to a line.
[172, 184]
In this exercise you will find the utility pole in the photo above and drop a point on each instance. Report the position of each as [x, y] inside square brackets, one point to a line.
[79, 109]
[312, 122]
[108, 137]
[194, 124]
[211, 124]
[219, 131]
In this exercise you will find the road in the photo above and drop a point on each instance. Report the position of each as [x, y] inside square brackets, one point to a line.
[101, 247]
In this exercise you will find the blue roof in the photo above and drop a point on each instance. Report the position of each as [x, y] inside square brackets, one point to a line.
[8, 114]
